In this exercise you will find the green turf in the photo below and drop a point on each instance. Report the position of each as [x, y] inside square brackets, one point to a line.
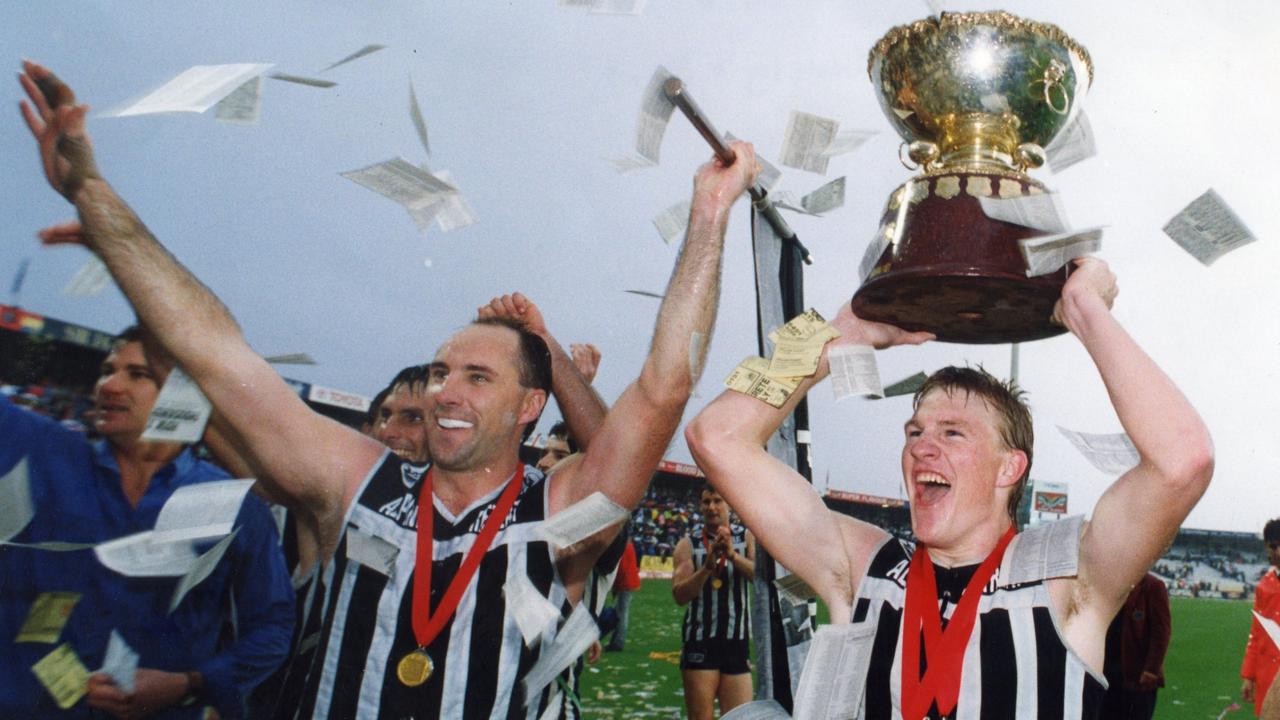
[1202, 668]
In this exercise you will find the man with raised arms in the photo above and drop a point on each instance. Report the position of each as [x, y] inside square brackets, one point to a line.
[402, 637]
[1027, 618]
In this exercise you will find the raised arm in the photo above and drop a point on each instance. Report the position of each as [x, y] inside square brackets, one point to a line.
[1142, 510]
[311, 462]
[622, 456]
[828, 550]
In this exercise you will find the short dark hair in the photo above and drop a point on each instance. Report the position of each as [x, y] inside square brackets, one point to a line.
[533, 360]
[414, 376]
[1271, 531]
[1005, 398]
[561, 430]
[133, 333]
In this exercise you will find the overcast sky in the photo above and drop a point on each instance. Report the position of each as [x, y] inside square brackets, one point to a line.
[526, 100]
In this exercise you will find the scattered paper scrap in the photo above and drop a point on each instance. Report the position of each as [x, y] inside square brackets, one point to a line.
[1041, 212]
[16, 507]
[202, 511]
[757, 710]
[572, 640]
[1208, 229]
[836, 660]
[180, 413]
[372, 551]
[243, 106]
[138, 556]
[848, 141]
[906, 386]
[47, 616]
[91, 279]
[200, 569]
[1113, 454]
[671, 223]
[63, 675]
[581, 520]
[854, 371]
[534, 613]
[120, 662]
[195, 90]
[794, 589]
[419, 122]
[366, 50]
[645, 293]
[624, 164]
[301, 80]
[655, 113]
[455, 212]
[1072, 145]
[401, 182]
[290, 359]
[1049, 253]
[751, 378]
[806, 141]
[824, 199]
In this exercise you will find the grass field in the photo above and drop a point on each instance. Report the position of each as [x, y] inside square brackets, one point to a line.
[643, 681]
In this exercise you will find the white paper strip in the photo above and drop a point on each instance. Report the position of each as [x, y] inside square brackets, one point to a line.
[1048, 253]
[848, 141]
[1208, 229]
[300, 80]
[534, 613]
[624, 164]
[573, 639]
[419, 122]
[655, 113]
[671, 223]
[181, 411]
[290, 359]
[91, 279]
[195, 90]
[831, 682]
[366, 50]
[120, 663]
[581, 520]
[826, 198]
[794, 589]
[137, 556]
[1113, 454]
[1041, 212]
[905, 386]
[806, 141]
[854, 371]
[456, 212]
[243, 105]
[1072, 145]
[372, 551]
[200, 570]
[16, 507]
[1273, 630]
[203, 511]
[401, 182]
[757, 710]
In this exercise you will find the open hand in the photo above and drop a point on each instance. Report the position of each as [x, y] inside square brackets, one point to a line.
[57, 123]
[856, 331]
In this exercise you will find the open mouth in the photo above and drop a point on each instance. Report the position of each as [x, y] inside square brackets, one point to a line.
[930, 488]
[452, 424]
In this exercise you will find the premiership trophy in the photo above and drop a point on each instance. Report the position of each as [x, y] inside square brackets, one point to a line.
[976, 98]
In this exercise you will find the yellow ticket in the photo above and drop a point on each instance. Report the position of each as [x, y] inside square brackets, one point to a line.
[750, 378]
[63, 675]
[47, 617]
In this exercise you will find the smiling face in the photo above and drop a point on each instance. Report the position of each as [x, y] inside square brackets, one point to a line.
[715, 511]
[476, 406]
[557, 449]
[401, 423]
[958, 473]
[124, 394]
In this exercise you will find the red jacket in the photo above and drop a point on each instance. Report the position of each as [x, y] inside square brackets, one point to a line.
[1261, 657]
[628, 579]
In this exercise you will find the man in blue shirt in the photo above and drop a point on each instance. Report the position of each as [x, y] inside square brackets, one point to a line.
[226, 635]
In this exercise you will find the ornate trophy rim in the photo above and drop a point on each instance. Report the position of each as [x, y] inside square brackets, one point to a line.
[994, 18]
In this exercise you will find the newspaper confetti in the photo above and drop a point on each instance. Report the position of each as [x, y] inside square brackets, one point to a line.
[300, 80]
[137, 556]
[645, 293]
[91, 279]
[1049, 253]
[366, 50]
[47, 617]
[757, 710]
[824, 199]
[854, 371]
[1040, 212]
[581, 520]
[457, 212]
[806, 140]
[828, 684]
[906, 386]
[1112, 454]
[290, 359]
[534, 613]
[751, 378]
[63, 675]
[848, 141]
[572, 640]
[419, 122]
[794, 589]
[202, 511]
[200, 569]
[624, 164]
[655, 113]
[243, 105]
[16, 508]
[194, 90]
[1208, 229]
[120, 663]
[671, 223]
[1073, 144]
[372, 551]
[180, 413]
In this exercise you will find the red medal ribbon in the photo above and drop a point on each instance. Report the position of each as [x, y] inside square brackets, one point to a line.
[426, 624]
[944, 649]
[720, 560]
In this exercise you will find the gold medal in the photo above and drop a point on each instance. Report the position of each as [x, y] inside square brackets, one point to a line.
[415, 667]
[717, 583]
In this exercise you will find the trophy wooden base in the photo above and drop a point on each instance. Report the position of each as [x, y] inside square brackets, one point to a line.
[951, 270]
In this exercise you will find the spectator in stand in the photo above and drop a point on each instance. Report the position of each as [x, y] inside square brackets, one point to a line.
[1136, 644]
[1261, 657]
[225, 636]
[626, 583]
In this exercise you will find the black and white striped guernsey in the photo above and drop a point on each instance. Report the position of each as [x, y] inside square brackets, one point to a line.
[480, 656]
[1016, 664]
[719, 613]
